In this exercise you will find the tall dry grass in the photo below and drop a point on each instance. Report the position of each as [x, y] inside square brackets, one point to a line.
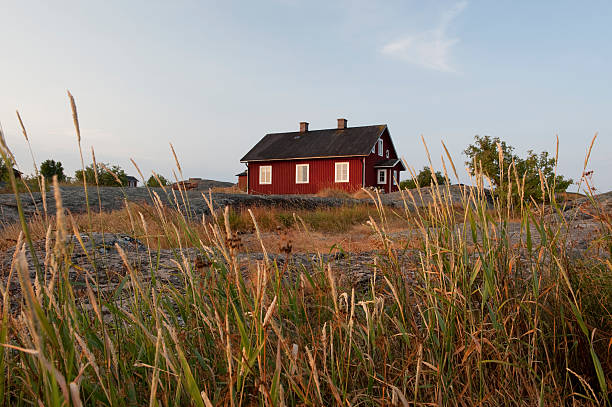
[334, 220]
[489, 321]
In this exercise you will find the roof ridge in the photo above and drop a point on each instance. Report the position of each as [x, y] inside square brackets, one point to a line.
[331, 128]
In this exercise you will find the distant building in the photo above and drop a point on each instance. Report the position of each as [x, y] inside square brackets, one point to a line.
[17, 175]
[242, 180]
[132, 182]
[200, 184]
[191, 183]
[305, 162]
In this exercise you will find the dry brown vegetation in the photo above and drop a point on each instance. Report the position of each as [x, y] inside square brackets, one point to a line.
[344, 226]
[341, 193]
[228, 190]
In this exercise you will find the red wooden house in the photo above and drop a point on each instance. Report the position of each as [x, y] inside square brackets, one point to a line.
[309, 161]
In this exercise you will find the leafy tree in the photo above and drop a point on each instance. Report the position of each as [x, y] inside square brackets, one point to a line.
[3, 171]
[105, 177]
[424, 179]
[152, 182]
[531, 168]
[49, 168]
[484, 157]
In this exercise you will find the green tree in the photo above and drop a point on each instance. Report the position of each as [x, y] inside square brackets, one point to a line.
[484, 158]
[49, 168]
[3, 171]
[424, 178]
[153, 183]
[107, 175]
[531, 168]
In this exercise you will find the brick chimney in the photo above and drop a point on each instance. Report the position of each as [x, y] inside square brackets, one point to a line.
[303, 127]
[342, 123]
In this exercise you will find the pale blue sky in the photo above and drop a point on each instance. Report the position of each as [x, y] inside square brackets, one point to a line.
[214, 77]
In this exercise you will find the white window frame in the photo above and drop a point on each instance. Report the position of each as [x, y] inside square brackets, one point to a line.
[387, 154]
[297, 173]
[380, 147]
[337, 173]
[262, 171]
[373, 148]
[384, 172]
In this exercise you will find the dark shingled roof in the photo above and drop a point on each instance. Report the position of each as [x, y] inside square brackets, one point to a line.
[352, 141]
[242, 174]
[389, 163]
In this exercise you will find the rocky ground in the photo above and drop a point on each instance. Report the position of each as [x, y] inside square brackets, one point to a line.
[206, 184]
[353, 269]
[587, 209]
[109, 199]
[455, 195]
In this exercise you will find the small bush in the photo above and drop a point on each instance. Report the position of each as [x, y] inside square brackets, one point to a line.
[107, 175]
[154, 182]
[496, 160]
[49, 168]
[424, 179]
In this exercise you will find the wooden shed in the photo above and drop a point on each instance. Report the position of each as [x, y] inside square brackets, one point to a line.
[242, 180]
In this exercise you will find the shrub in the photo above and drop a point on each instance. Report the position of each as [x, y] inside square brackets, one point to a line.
[495, 159]
[424, 179]
[107, 175]
[4, 174]
[484, 157]
[155, 182]
[530, 168]
[49, 168]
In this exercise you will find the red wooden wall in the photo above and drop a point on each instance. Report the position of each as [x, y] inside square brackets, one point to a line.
[374, 158]
[321, 176]
[242, 182]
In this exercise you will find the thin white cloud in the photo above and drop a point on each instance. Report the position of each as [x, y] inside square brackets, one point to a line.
[430, 49]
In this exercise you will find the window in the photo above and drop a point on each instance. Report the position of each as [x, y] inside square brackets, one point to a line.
[387, 154]
[382, 176]
[265, 174]
[342, 172]
[301, 174]
[380, 147]
[373, 148]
